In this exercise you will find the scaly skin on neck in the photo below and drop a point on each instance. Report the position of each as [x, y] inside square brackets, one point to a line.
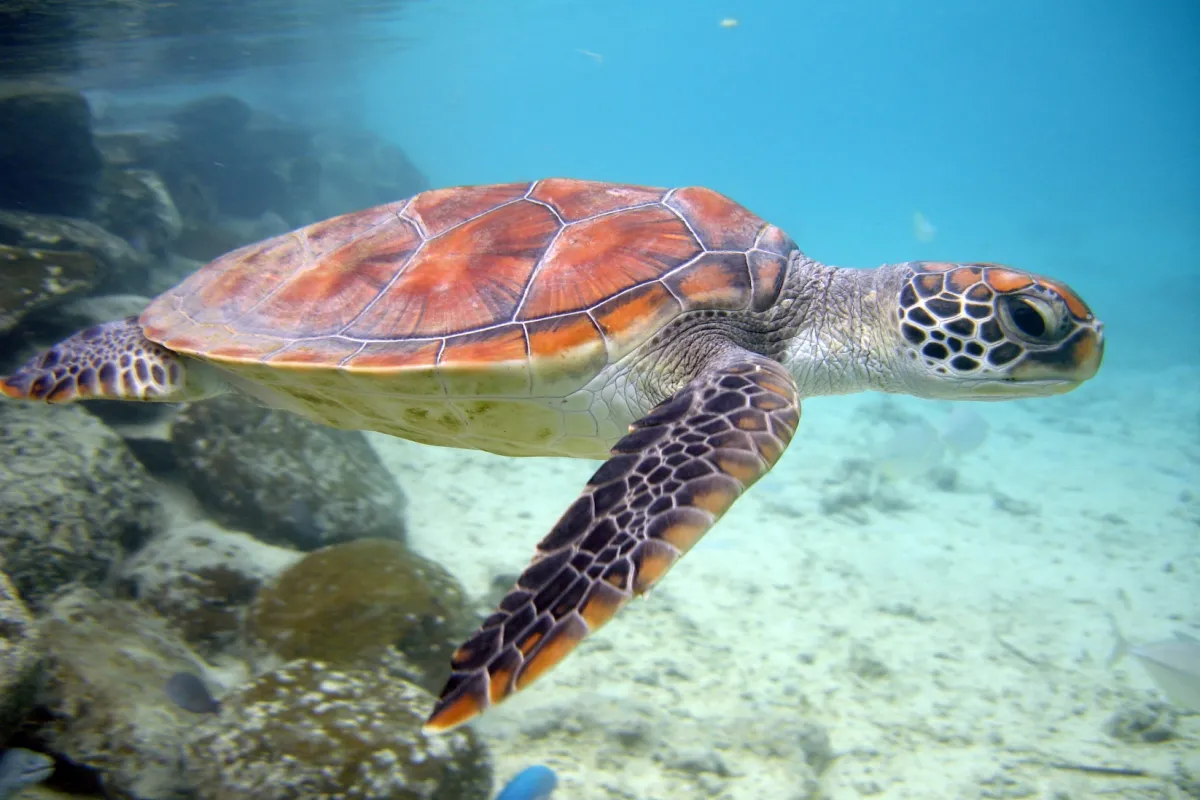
[834, 328]
[842, 322]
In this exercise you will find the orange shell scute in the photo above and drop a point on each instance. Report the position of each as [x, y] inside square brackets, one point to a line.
[720, 223]
[397, 354]
[472, 276]
[773, 240]
[933, 266]
[218, 295]
[553, 336]
[638, 314]
[715, 280]
[316, 352]
[597, 258]
[496, 346]
[767, 271]
[576, 200]
[439, 210]
[323, 295]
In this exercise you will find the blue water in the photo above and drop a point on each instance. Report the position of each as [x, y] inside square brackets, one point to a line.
[1063, 137]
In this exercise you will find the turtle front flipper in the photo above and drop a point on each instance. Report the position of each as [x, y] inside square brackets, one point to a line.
[676, 472]
[111, 361]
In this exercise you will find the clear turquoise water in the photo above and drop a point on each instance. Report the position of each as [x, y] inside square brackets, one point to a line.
[1063, 137]
[1060, 137]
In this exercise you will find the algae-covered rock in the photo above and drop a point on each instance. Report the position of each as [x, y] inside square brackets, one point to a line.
[202, 578]
[72, 498]
[307, 730]
[107, 666]
[349, 603]
[20, 655]
[283, 478]
[121, 267]
[31, 279]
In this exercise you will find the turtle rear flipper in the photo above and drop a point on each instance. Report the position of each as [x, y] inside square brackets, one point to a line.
[111, 361]
[676, 472]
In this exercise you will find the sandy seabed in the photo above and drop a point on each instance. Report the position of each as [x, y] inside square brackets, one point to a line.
[951, 631]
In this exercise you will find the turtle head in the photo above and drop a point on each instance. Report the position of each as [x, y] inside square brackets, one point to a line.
[990, 332]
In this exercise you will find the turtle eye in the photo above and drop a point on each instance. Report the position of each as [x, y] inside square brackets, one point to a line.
[1029, 318]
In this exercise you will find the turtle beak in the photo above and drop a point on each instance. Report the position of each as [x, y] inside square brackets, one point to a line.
[1074, 361]
[1043, 373]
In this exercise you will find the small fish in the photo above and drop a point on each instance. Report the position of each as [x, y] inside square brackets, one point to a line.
[923, 229]
[963, 430]
[20, 768]
[729, 22]
[532, 783]
[913, 450]
[1174, 666]
[189, 693]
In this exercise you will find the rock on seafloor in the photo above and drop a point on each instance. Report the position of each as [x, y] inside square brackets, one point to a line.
[202, 578]
[306, 730]
[284, 479]
[104, 696]
[136, 205]
[348, 604]
[32, 279]
[247, 161]
[121, 266]
[20, 656]
[48, 158]
[73, 498]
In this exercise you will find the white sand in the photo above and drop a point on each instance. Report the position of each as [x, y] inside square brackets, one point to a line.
[989, 616]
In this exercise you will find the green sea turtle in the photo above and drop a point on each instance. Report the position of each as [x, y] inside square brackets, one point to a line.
[672, 333]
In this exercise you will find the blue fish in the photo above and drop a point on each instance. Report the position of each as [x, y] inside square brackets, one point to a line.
[531, 783]
[20, 768]
[189, 693]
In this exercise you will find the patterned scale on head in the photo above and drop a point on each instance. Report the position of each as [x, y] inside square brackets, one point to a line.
[981, 321]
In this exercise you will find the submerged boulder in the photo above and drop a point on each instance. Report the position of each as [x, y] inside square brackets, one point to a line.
[348, 604]
[20, 656]
[48, 158]
[120, 266]
[31, 279]
[245, 161]
[285, 479]
[108, 664]
[202, 578]
[72, 498]
[136, 205]
[307, 730]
